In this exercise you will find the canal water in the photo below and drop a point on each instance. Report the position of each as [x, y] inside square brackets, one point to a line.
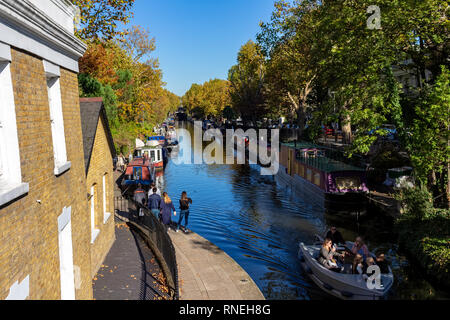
[260, 224]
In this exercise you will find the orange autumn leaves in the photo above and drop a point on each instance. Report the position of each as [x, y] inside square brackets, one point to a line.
[98, 62]
[135, 77]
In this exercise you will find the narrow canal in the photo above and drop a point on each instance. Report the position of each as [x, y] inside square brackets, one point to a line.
[260, 224]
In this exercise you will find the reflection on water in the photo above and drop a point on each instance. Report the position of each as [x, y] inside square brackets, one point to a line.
[260, 225]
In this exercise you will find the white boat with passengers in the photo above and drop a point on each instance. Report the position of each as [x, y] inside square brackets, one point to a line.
[343, 285]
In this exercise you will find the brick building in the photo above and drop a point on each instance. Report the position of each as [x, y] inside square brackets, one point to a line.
[99, 152]
[45, 238]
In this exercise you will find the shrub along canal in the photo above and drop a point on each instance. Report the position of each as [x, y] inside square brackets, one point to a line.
[260, 224]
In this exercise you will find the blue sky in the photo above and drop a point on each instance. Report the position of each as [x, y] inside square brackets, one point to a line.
[198, 40]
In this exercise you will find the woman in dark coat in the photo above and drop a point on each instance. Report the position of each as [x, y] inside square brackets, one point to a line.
[166, 210]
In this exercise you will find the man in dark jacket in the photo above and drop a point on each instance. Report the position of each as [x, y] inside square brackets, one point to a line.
[154, 202]
[139, 195]
[382, 263]
[335, 236]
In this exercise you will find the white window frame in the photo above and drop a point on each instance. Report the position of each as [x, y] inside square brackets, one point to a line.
[106, 214]
[52, 73]
[11, 185]
[94, 232]
[66, 265]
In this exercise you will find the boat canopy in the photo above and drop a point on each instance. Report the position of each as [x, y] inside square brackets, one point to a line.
[153, 143]
[139, 143]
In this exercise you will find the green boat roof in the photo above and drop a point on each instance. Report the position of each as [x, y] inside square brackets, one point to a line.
[323, 163]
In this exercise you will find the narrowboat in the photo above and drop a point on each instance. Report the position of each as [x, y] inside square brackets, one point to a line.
[314, 171]
[139, 171]
[154, 152]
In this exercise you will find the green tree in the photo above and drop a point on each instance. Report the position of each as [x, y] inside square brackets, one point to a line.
[429, 145]
[247, 82]
[292, 67]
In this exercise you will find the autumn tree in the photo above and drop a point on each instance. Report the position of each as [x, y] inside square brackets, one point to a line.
[130, 81]
[208, 99]
[193, 98]
[98, 62]
[100, 19]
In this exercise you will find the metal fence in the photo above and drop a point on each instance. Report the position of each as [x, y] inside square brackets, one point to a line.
[155, 234]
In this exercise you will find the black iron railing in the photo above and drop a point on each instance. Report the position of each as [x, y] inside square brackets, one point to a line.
[156, 237]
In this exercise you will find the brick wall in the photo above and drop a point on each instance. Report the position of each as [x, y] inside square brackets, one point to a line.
[101, 163]
[29, 230]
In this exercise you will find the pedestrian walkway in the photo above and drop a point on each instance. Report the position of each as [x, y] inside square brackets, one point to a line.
[130, 271]
[205, 272]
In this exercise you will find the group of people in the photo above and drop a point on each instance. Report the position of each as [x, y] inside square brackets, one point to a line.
[120, 162]
[361, 258]
[162, 207]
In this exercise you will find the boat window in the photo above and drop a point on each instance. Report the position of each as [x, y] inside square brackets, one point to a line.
[301, 170]
[309, 175]
[152, 155]
[317, 179]
[137, 173]
[348, 183]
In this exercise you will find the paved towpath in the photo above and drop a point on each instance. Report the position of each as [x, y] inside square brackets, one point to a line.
[206, 272]
[130, 271]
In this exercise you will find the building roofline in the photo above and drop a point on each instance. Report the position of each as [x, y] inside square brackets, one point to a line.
[29, 21]
[101, 114]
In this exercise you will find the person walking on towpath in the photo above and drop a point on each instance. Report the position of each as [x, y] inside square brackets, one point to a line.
[166, 210]
[158, 192]
[140, 197]
[154, 202]
[184, 211]
[121, 163]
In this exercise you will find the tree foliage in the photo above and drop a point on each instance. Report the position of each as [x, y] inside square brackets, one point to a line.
[208, 99]
[100, 19]
[319, 62]
[247, 82]
[130, 81]
[429, 144]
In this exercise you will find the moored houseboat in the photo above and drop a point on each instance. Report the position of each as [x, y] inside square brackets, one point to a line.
[139, 171]
[154, 152]
[310, 169]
